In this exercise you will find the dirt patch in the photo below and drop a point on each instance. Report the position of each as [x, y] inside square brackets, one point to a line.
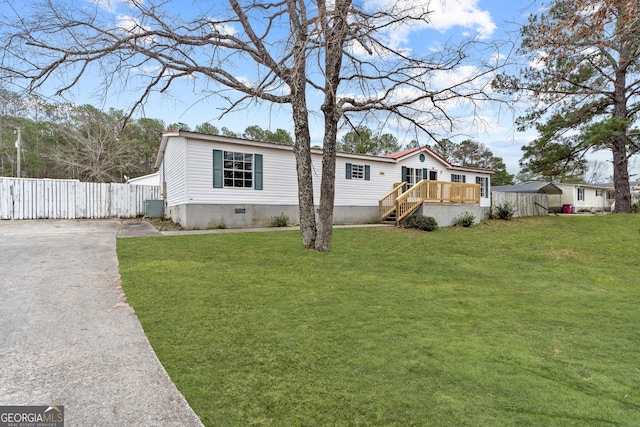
[160, 224]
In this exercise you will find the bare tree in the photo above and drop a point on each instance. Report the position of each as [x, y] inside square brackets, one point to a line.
[597, 172]
[286, 49]
[89, 146]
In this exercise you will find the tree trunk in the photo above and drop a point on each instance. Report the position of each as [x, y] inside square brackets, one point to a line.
[621, 175]
[302, 151]
[327, 186]
[334, 41]
[619, 144]
[297, 81]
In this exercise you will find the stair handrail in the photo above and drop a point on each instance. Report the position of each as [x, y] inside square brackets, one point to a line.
[405, 207]
[390, 199]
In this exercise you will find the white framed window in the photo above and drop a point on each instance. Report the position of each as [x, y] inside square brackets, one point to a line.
[237, 169]
[355, 171]
[458, 178]
[414, 176]
[598, 193]
[581, 194]
[484, 186]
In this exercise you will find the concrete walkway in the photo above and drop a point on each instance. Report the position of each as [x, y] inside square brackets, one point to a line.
[68, 336]
[141, 228]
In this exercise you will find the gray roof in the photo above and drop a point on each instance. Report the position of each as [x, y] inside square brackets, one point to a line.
[529, 187]
[612, 185]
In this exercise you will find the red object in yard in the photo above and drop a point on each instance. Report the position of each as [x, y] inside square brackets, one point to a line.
[567, 209]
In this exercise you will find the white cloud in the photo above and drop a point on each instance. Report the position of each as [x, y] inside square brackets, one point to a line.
[444, 15]
[462, 13]
[130, 25]
[539, 60]
[223, 28]
[110, 5]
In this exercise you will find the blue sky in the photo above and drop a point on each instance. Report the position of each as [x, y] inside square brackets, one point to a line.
[487, 20]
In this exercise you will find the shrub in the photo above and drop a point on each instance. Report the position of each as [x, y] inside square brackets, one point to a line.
[504, 211]
[280, 221]
[421, 222]
[635, 208]
[465, 219]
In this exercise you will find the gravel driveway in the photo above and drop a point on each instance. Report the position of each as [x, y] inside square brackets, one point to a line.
[67, 335]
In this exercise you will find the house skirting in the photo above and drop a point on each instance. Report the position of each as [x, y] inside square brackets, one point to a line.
[205, 216]
[446, 213]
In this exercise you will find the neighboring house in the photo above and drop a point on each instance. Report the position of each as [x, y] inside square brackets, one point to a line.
[575, 197]
[583, 198]
[635, 193]
[151, 179]
[215, 181]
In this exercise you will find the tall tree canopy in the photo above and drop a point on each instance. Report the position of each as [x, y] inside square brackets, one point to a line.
[256, 133]
[362, 140]
[74, 142]
[474, 154]
[585, 78]
[340, 51]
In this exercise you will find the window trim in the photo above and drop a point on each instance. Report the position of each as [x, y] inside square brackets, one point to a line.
[484, 186]
[257, 174]
[581, 190]
[366, 171]
[456, 177]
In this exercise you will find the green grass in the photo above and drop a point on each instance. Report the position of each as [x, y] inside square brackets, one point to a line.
[529, 322]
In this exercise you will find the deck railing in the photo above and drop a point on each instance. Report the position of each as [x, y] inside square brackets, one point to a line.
[426, 191]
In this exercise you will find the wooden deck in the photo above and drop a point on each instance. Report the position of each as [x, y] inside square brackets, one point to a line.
[398, 204]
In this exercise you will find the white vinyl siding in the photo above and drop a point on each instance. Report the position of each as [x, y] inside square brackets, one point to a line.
[580, 196]
[355, 191]
[174, 171]
[279, 180]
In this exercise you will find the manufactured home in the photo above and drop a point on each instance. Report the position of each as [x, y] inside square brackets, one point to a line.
[582, 198]
[218, 181]
[567, 198]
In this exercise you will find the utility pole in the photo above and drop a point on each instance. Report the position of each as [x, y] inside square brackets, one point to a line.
[18, 141]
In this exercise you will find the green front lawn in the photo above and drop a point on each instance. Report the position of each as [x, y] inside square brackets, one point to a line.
[526, 322]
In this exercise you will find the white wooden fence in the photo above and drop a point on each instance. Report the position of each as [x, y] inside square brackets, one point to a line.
[22, 198]
[525, 204]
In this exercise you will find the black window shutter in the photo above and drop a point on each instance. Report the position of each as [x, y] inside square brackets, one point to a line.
[217, 169]
[257, 178]
[404, 174]
[348, 175]
[367, 173]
